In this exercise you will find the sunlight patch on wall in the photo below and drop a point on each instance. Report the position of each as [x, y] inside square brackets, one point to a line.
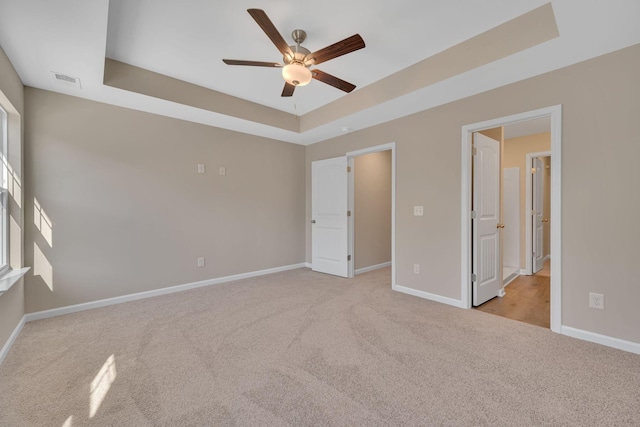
[101, 384]
[13, 184]
[42, 267]
[42, 222]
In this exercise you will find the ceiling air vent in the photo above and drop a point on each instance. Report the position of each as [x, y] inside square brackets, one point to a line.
[66, 80]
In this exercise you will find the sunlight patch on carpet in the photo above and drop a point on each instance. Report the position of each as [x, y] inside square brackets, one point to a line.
[101, 384]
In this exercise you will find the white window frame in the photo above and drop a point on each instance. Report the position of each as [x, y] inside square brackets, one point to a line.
[4, 191]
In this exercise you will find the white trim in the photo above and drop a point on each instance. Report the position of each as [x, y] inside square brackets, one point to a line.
[429, 296]
[373, 267]
[630, 346]
[351, 239]
[11, 278]
[528, 207]
[308, 265]
[154, 293]
[12, 338]
[374, 149]
[556, 215]
[555, 112]
[547, 257]
[523, 272]
[509, 281]
[383, 147]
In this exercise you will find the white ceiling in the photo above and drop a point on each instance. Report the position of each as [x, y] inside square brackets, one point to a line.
[527, 127]
[187, 40]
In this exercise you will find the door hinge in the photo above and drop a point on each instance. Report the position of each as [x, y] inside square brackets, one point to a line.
[474, 215]
[348, 168]
[348, 257]
[474, 277]
[348, 213]
[474, 151]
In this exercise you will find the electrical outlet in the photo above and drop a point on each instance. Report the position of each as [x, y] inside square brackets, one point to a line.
[418, 211]
[222, 171]
[416, 268]
[596, 301]
[201, 262]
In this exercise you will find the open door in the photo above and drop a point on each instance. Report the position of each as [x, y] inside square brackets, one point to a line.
[537, 170]
[486, 232]
[329, 225]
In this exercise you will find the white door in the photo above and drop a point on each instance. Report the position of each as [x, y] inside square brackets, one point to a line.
[329, 227]
[538, 211]
[486, 205]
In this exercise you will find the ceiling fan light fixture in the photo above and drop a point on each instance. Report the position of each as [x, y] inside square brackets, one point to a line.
[296, 74]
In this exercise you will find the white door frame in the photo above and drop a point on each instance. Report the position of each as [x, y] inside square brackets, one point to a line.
[350, 155]
[555, 113]
[528, 207]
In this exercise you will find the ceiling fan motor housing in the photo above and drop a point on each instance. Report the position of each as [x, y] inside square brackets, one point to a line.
[299, 52]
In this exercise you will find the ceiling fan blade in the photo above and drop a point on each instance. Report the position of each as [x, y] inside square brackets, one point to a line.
[343, 47]
[288, 89]
[270, 30]
[332, 80]
[251, 63]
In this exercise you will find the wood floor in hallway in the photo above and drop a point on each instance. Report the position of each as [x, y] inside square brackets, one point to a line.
[526, 299]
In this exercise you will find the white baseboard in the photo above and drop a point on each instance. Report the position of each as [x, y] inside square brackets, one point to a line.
[308, 265]
[548, 257]
[372, 267]
[429, 296]
[12, 338]
[620, 344]
[148, 294]
[511, 280]
[630, 346]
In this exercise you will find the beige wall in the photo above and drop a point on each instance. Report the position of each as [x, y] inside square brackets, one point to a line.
[129, 213]
[12, 100]
[515, 155]
[372, 209]
[493, 133]
[600, 148]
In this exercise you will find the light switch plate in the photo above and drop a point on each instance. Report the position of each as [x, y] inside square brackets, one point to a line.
[200, 168]
[222, 171]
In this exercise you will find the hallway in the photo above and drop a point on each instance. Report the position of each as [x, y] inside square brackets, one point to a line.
[526, 299]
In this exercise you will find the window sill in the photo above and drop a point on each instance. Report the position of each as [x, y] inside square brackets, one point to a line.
[11, 278]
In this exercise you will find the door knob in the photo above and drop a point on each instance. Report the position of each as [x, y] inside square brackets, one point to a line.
[499, 225]
[313, 221]
[545, 220]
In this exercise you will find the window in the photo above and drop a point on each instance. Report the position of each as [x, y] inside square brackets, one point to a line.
[4, 198]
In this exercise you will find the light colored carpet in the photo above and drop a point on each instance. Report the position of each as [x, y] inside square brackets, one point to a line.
[305, 349]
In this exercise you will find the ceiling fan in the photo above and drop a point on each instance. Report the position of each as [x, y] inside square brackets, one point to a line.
[298, 60]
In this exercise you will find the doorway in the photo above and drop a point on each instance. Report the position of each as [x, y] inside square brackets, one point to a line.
[370, 209]
[527, 221]
[333, 244]
[493, 262]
